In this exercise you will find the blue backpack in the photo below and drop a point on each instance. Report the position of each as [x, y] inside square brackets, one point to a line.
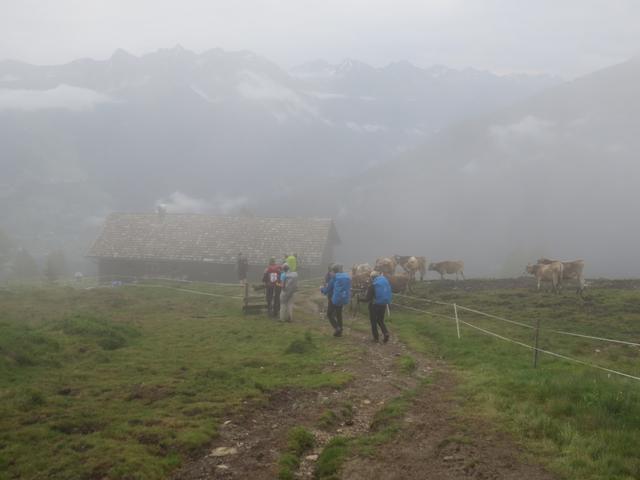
[341, 289]
[382, 290]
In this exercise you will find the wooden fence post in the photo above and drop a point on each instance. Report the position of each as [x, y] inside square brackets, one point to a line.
[245, 301]
[535, 348]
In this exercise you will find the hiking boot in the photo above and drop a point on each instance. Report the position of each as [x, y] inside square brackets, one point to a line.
[337, 333]
[385, 339]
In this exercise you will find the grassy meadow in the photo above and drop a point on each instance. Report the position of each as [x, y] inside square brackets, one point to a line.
[582, 422]
[129, 382]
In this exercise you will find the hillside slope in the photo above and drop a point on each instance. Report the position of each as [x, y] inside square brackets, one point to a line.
[555, 174]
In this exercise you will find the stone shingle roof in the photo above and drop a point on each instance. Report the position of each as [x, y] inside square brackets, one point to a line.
[216, 239]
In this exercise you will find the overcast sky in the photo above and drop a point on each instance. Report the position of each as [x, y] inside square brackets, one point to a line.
[564, 37]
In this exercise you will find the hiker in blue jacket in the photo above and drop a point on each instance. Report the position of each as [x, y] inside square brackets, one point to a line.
[379, 297]
[338, 292]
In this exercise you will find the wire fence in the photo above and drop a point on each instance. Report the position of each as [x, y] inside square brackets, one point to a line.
[310, 284]
[455, 318]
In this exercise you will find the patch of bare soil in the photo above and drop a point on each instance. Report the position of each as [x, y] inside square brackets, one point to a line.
[438, 444]
[434, 442]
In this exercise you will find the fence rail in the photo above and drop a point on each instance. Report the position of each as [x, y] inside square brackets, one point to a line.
[521, 324]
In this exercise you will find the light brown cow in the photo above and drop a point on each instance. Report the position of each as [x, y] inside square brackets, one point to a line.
[361, 269]
[449, 267]
[571, 271]
[412, 265]
[386, 265]
[551, 272]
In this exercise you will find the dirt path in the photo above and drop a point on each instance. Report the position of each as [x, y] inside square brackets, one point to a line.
[433, 443]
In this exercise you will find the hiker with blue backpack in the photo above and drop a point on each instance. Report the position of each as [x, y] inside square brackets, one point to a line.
[379, 298]
[338, 292]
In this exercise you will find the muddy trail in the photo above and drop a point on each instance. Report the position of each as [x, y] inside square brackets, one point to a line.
[434, 441]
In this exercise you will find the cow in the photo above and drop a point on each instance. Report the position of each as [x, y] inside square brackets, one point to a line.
[360, 281]
[412, 264]
[571, 270]
[361, 269]
[449, 267]
[550, 272]
[400, 283]
[359, 284]
[386, 265]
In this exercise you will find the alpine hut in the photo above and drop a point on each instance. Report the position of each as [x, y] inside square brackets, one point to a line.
[206, 247]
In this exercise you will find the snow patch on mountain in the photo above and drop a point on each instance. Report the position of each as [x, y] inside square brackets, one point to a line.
[202, 94]
[366, 128]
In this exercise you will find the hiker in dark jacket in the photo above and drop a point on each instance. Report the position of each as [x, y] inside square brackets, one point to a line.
[338, 292]
[271, 280]
[379, 297]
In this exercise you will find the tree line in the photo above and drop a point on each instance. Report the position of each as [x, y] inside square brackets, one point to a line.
[16, 263]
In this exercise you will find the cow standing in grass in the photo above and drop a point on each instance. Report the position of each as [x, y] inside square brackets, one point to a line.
[449, 267]
[551, 272]
[412, 264]
[570, 271]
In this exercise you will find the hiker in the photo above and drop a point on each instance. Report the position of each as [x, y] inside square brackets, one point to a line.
[379, 297]
[271, 280]
[338, 292]
[289, 283]
[242, 266]
[292, 261]
[328, 275]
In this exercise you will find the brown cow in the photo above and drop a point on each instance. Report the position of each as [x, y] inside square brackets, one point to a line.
[360, 281]
[412, 264]
[399, 283]
[359, 285]
[449, 267]
[571, 270]
[551, 272]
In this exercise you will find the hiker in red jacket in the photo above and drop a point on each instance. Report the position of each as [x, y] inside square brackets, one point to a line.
[271, 280]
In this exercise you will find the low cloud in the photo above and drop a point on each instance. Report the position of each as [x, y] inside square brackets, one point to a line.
[258, 87]
[527, 128]
[179, 202]
[62, 97]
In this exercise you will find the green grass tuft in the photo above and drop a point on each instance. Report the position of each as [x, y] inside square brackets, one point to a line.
[299, 441]
[301, 346]
[406, 364]
[331, 459]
